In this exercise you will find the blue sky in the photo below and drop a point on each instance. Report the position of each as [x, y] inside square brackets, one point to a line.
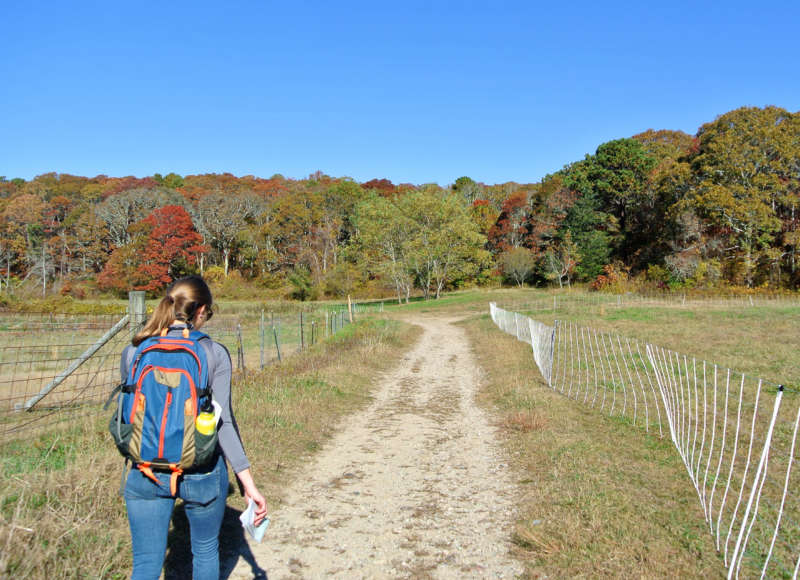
[415, 92]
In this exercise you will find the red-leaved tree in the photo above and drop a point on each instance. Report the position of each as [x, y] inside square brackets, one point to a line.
[512, 228]
[165, 245]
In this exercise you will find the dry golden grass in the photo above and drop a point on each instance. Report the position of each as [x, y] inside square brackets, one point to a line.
[600, 498]
[61, 517]
[523, 421]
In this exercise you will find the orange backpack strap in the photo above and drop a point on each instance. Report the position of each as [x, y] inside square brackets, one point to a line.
[177, 471]
[147, 471]
[173, 479]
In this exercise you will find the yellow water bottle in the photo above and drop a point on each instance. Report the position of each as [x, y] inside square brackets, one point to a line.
[206, 422]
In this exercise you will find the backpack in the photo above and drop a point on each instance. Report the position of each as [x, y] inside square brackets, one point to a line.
[167, 386]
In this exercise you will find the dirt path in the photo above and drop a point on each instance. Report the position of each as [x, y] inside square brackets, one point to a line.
[414, 486]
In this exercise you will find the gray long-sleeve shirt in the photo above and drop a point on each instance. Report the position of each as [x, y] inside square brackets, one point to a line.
[219, 379]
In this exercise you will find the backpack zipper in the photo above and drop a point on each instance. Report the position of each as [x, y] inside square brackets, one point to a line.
[171, 347]
[164, 424]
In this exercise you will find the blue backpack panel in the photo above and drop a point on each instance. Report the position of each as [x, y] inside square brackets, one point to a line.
[167, 386]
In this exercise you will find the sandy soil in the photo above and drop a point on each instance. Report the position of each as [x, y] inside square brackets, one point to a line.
[414, 486]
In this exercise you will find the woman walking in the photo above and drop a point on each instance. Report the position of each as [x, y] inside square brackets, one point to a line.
[149, 494]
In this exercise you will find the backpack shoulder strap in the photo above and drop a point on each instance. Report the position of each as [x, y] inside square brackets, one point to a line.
[129, 353]
[207, 344]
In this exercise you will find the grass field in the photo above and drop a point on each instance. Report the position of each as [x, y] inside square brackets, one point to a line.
[761, 341]
[599, 498]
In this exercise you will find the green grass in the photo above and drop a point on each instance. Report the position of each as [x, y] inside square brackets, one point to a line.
[48, 452]
[471, 299]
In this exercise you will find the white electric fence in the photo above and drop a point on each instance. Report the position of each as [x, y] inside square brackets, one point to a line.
[736, 434]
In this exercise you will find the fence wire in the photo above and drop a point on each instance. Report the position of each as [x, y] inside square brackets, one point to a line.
[34, 353]
[735, 434]
[53, 367]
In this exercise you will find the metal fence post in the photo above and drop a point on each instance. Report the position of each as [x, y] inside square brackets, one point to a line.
[277, 344]
[261, 336]
[239, 347]
[302, 338]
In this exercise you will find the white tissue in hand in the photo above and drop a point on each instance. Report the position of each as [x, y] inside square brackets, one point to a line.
[248, 518]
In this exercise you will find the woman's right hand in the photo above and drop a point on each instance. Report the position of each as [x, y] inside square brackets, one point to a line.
[261, 505]
[251, 492]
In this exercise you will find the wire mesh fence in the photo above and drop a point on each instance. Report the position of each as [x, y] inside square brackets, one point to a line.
[735, 434]
[53, 367]
[35, 352]
[258, 339]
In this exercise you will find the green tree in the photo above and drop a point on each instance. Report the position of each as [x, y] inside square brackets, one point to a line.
[468, 190]
[171, 180]
[425, 237]
[593, 232]
[746, 170]
[562, 259]
[444, 245]
[621, 175]
[381, 235]
[518, 264]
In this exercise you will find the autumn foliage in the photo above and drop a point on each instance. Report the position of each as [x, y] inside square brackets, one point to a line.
[721, 207]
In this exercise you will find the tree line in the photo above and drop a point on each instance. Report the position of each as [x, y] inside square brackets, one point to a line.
[672, 209]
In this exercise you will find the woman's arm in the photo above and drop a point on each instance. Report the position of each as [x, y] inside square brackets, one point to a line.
[229, 438]
[220, 382]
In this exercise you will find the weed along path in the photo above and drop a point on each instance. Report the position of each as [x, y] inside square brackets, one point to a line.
[414, 486]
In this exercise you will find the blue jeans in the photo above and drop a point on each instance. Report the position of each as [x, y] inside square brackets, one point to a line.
[150, 510]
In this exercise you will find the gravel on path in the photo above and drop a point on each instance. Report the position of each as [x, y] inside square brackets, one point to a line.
[413, 486]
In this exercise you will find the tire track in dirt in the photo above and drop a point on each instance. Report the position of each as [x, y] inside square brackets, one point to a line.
[414, 486]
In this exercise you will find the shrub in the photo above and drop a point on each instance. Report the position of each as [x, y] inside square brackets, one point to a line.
[657, 274]
[214, 274]
[613, 279]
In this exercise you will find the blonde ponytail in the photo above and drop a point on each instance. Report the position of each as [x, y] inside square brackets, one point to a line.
[181, 303]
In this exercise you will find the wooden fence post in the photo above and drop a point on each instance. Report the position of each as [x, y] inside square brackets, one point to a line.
[136, 310]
